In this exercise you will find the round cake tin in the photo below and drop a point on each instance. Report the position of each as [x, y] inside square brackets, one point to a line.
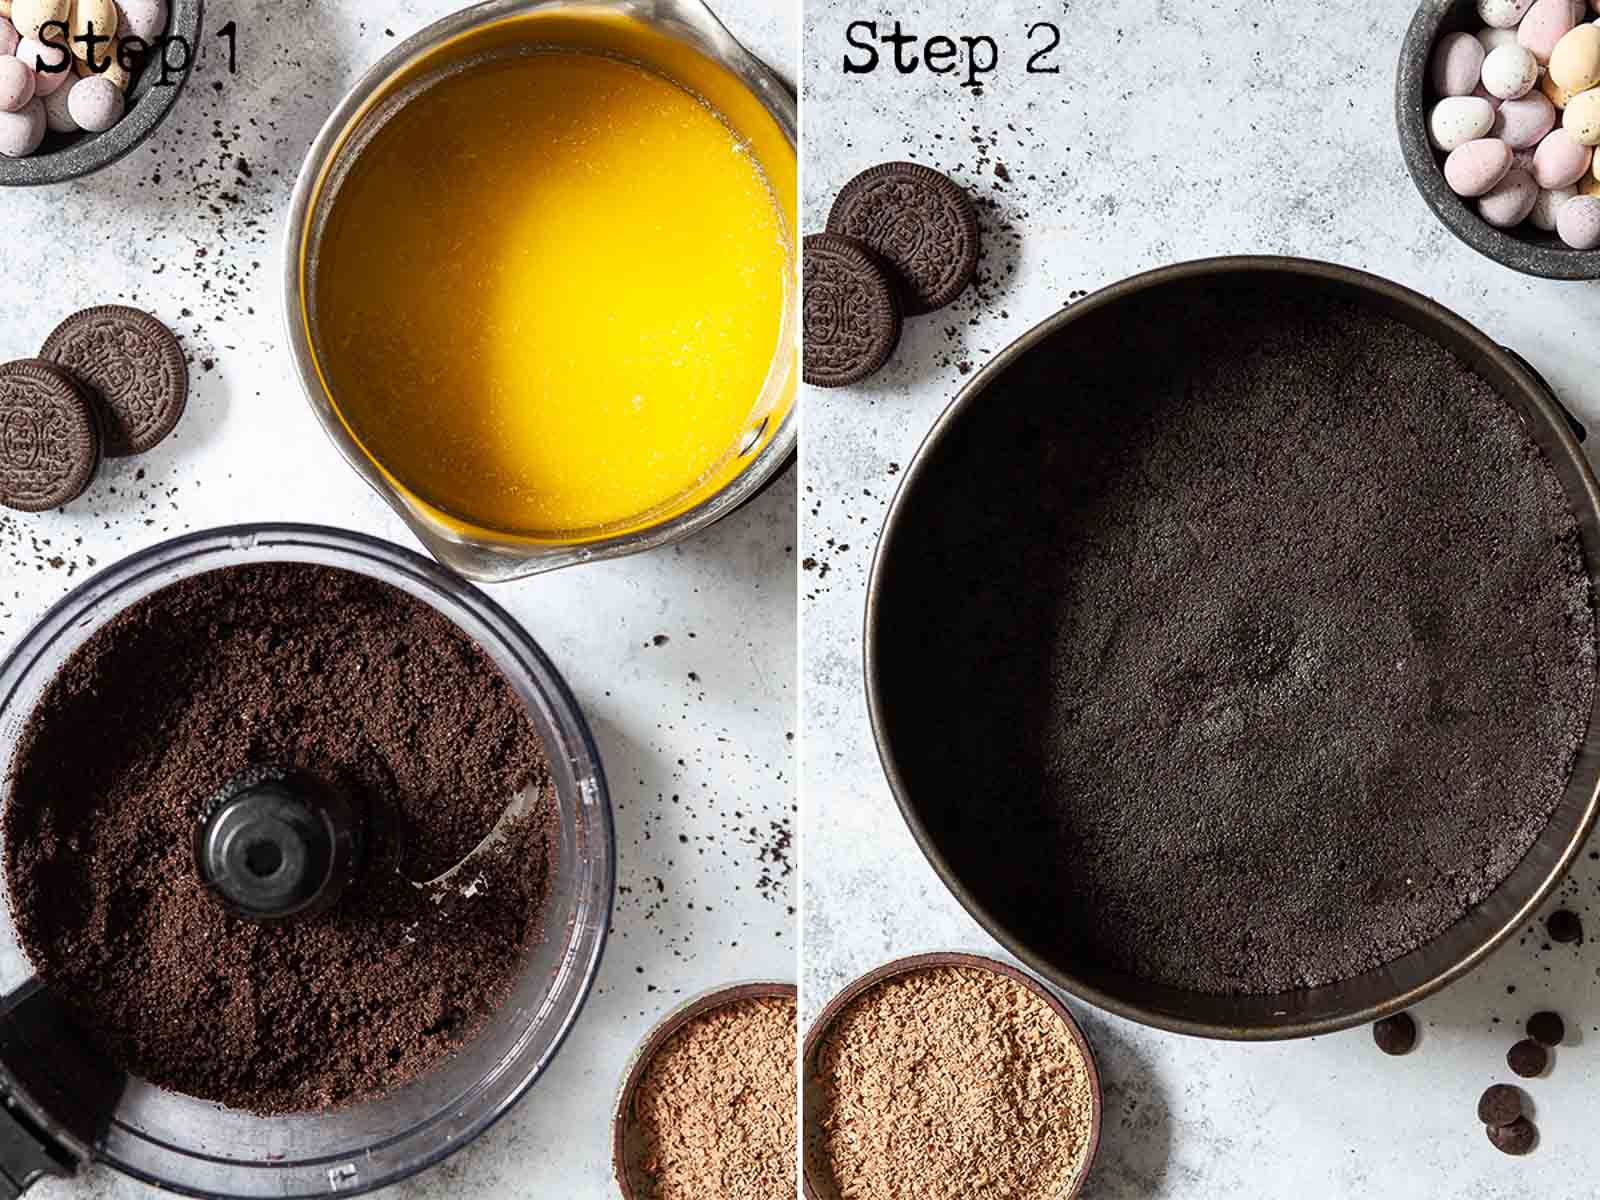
[817, 1185]
[1409, 978]
[71, 156]
[626, 1150]
[186, 1145]
[1525, 249]
[683, 40]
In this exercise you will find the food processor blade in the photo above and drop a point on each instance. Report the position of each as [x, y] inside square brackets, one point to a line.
[57, 1094]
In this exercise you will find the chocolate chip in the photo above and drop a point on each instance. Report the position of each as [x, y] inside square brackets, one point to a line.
[1396, 1034]
[1528, 1058]
[1547, 1027]
[1516, 1138]
[1563, 925]
[1501, 1104]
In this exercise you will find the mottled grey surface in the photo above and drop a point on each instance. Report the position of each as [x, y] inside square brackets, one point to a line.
[695, 732]
[1172, 131]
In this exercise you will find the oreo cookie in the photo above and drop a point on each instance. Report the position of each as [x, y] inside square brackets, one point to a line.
[50, 441]
[920, 223]
[1396, 1034]
[851, 316]
[1517, 1138]
[1500, 1104]
[132, 365]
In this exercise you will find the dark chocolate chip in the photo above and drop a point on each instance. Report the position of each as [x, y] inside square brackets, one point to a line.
[1528, 1058]
[919, 222]
[1547, 1027]
[1501, 1104]
[1563, 925]
[852, 318]
[132, 365]
[49, 437]
[1396, 1034]
[1516, 1138]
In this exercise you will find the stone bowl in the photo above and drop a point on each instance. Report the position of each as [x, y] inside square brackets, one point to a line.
[65, 156]
[1525, 248]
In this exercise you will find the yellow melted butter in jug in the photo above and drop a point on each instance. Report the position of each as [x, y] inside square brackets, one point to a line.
[550, 291]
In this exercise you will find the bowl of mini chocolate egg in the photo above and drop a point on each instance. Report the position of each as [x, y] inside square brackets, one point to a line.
[83, 82]
[1498, 107]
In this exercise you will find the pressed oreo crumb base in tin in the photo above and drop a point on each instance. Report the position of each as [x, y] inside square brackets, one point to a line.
[707, 1108]
[948, 1077]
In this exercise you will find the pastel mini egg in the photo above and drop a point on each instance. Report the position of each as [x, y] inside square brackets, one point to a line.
[1575, 62]
[1510, 71]
[1502, 14]
[1491, 38]
[1522, 123]
[1553, 91]
[1560, 160]
[1547, 22]
[101, 16]
[1475, 167]
[96, 104]
[1457, 64]
[1508, 203]
[1582, 117]
[16, 84]
[31, 16]
[21, 132]
[57, 116]
[1578, 222]
[9, 37]
[1545, 208]
[144, 19]
[39, 56]
[1457, 120]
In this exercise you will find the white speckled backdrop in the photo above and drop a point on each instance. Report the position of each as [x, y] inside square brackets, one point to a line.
[696, 731]
[1174, 130]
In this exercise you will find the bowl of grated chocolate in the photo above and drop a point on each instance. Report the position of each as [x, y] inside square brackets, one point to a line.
[707, 1107]
[948, 1077]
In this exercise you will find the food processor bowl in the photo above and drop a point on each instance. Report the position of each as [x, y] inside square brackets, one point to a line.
[183, 1144]
[681, 39]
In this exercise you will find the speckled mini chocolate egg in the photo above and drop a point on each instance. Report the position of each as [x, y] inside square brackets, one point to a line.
[1502, 14]
[31, 16]
[1472, 169]
[1560, 160]
[1545, 208]
[1578, 222]
[1575, 62]
[1510, 71]
[1582, 117]
[1457, 64]
[1523, 123]
[21, 132]
[9, 37]
[16, 83]
[101, 17]
[144, 19]
[1547, 22]
[1508, 203]
[1491, 38]
[1457, 120]
[34, 53]
[96, 104]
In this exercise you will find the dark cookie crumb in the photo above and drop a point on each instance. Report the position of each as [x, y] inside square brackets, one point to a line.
[294, 665]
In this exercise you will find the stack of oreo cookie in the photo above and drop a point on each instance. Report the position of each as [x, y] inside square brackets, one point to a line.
[902, 240]
[109, 382]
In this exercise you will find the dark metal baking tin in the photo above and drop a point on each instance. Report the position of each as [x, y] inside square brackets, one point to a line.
[817, 1186]
[1524, 249]
[65, 156]
[1464, 945]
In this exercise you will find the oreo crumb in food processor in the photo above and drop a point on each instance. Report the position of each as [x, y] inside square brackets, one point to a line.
[1500, 1104]
[1238, 684]
[307, 667]
[1528, 1058]
[716, 1106]
[1396, 1034]
[1547, 1028]
[1517, 1138]
[951, 1083]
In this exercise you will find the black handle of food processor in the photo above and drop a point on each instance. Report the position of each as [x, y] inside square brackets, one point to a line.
[57, 1094]
[1577, 426]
